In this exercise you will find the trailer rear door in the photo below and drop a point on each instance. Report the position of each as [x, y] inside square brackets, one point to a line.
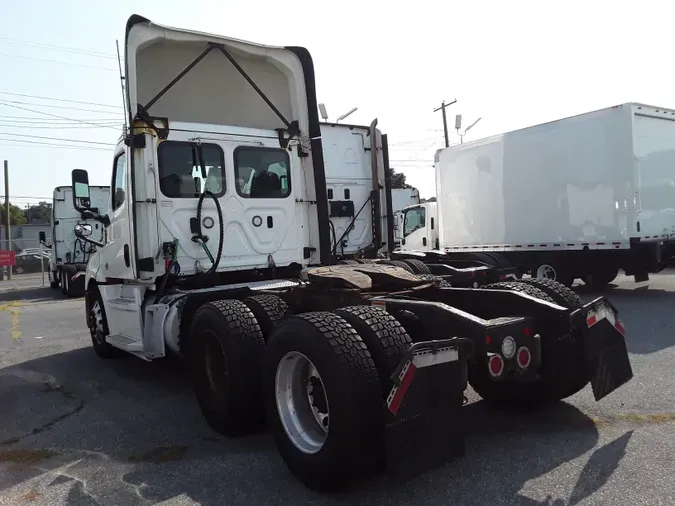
[654, 150]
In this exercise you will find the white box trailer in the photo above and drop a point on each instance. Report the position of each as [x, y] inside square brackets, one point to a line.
[580, 197]
[69, 253]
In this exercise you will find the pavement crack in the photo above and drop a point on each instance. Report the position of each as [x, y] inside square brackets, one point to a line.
[50, 424]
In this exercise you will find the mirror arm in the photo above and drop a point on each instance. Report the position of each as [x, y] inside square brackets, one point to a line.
[101, 218]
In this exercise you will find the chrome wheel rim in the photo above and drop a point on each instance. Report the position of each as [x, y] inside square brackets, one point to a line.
[546, 271]
[302, 402]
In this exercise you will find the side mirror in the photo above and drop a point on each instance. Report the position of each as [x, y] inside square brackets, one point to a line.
[43, 237]
[83, 230]
[81, 197]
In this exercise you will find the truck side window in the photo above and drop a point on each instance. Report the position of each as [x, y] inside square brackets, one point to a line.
[262, 173]
[414, 220]
[180, 170]
[119, 178]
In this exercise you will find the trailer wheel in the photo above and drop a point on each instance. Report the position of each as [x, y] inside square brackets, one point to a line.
[417, 266]
[323, 400]
[98, 329]
[269, 311]
[561, 294]
[561, 374]
[399, 263]
[385, 337]
[549, 270]
[225, 350]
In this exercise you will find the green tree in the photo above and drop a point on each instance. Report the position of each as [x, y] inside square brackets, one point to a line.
[398, 179]
[42, 213]
[16, 216]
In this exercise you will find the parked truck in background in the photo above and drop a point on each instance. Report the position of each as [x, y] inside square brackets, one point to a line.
[69, 253]
[400, 199]
[577, 198]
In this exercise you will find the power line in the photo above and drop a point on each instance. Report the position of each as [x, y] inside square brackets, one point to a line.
[6, 124]
[54, 47]
[57, 61]
[57, 99]
[51, 121]
[58, 139]
[56, 116]
[54, 106]
[38, 144]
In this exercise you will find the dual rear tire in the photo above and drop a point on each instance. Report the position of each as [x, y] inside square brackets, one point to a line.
[324, 379]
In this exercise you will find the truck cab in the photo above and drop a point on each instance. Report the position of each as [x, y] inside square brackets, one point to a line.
[419, 231]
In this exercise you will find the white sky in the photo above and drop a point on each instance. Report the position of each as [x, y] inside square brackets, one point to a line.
[513, 64]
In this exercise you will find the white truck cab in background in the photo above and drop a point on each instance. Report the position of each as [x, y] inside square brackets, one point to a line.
[419, 231]
[69, 253]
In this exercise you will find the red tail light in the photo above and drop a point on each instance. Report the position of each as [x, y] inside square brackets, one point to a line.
[524, 357]
[496, 365]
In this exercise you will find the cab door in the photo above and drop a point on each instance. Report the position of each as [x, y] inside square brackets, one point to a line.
[415, 229]
[117, 257]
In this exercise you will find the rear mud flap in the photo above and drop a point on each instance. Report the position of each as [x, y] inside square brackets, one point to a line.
[428, 428]
[605, 348]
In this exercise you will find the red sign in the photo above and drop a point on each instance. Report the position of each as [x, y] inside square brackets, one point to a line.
[7, 257]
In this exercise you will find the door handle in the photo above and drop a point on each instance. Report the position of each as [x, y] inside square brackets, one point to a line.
[424, 241]
[127, 257]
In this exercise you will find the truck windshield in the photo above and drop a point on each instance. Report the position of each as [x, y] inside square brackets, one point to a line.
[180, 173]
[414, 220]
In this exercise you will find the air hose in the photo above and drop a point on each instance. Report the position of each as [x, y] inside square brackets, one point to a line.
[200, 237]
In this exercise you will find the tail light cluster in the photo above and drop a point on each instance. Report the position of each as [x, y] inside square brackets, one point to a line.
[522, 356]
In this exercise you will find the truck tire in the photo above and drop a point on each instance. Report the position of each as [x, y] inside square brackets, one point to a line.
[347, 262]
[562, 372]
[417, 266]
[225, 351]
[486, 259]
[517, 286]
[554, 271]
[64, 282]
[269, 311]
[98, 329]
[333, 436]
[386, 339]
[561, 294]
[399, 263]
[439, 282]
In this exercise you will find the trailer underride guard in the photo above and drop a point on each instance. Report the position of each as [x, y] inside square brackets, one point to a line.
[357, 363]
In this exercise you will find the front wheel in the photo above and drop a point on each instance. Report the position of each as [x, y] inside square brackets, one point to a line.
[323, 400]
[98, 328]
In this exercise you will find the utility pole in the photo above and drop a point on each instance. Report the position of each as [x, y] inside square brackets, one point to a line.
[445, 121]
[7, 223]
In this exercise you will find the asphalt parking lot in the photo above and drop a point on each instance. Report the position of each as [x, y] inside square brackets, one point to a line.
[76, 430]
